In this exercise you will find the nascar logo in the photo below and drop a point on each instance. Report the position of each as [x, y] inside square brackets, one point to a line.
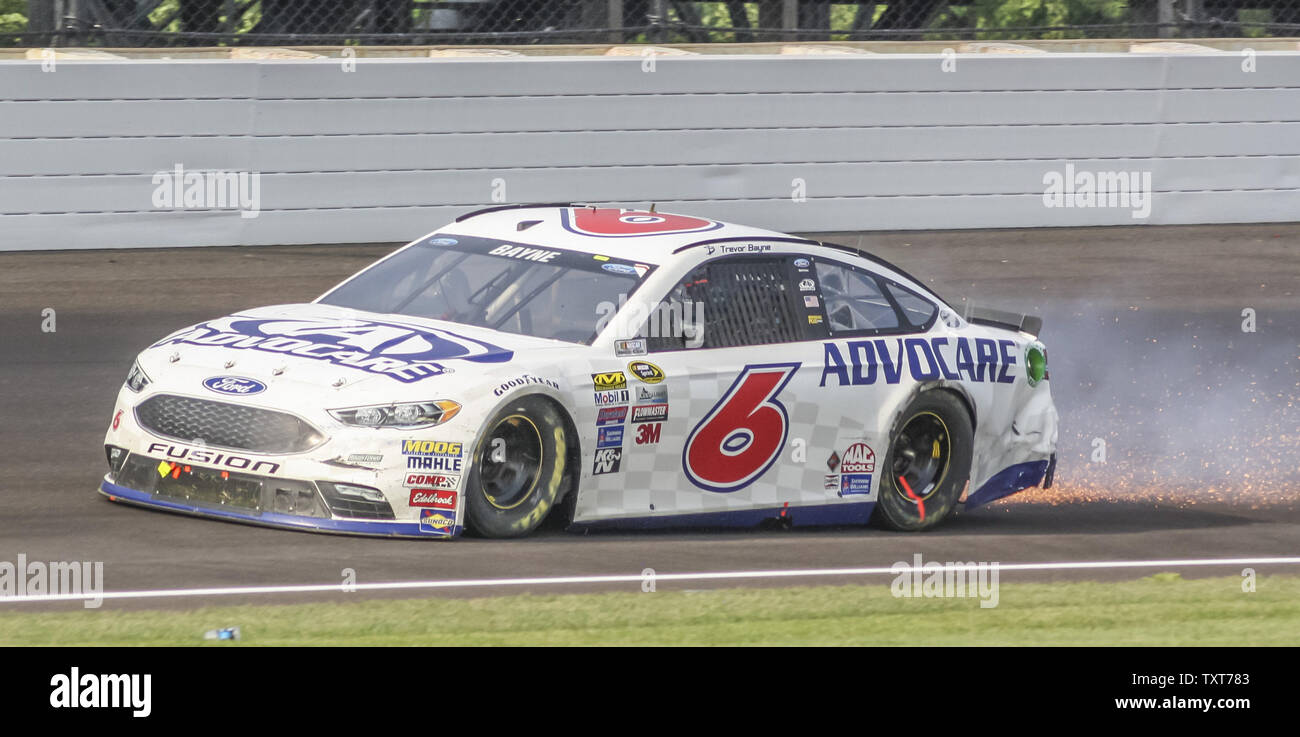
[646, 371]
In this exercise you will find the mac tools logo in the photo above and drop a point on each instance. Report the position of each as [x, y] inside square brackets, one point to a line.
[234, 385]
[397, 351]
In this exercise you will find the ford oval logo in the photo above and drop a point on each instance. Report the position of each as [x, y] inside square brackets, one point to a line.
[234, 385]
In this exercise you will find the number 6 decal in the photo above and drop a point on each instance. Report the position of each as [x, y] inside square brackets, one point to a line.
[743, 434]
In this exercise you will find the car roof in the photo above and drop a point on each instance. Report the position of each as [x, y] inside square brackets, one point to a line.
[560, 225]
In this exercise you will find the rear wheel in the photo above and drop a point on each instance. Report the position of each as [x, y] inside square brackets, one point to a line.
[519, 469]
[928, 463]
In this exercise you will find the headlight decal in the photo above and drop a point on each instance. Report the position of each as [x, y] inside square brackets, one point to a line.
[137, 379]
[404, 415]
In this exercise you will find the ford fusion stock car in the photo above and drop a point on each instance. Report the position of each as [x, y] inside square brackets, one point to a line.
[598, 366]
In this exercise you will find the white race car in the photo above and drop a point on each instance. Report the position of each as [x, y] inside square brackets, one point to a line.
[615, 367]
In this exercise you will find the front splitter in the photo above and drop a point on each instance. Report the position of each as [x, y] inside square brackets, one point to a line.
[369, 528]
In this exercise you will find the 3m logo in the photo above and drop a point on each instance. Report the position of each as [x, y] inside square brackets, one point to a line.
[607, 461]
[648, 434]
[611, 380]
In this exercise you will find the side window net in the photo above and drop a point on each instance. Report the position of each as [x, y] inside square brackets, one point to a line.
[749, 304]
[734, 303]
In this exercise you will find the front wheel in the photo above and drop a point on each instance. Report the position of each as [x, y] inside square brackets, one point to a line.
[519, 469]
[928, 463]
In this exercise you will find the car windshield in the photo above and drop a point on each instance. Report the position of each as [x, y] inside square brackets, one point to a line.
[513, 287]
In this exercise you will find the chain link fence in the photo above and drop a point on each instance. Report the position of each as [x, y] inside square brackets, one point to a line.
[143, 23]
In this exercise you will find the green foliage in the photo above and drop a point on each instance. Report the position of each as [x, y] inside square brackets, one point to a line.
[13, 16]
[1161, 610]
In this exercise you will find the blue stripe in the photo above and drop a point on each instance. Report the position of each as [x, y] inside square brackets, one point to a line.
[275, 519]
[844, 513]
[1008, 481]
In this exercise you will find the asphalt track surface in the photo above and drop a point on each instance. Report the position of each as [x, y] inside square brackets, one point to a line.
[1145, 332]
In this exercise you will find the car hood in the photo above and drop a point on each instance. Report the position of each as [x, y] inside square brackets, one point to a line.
[342, 350]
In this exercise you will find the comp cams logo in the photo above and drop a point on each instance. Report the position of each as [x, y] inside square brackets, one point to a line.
[77, 690]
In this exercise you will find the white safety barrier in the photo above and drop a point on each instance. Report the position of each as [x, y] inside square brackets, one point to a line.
[97, 154]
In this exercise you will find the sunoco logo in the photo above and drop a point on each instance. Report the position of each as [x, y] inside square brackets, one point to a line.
[434, 521]
[400, 352]
[234, 385]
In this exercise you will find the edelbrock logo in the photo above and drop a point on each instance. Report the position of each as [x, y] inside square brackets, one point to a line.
[399, 352]
[234, 385]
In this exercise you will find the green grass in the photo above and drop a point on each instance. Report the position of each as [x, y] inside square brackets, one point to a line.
[1161, 610]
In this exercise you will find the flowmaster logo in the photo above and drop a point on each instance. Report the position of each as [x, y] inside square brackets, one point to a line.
[181, 189]
[77, 690]
[945, 580]
[59, 578]
[1085, 188]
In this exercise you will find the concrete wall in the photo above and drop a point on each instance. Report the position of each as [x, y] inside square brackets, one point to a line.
[396, 147]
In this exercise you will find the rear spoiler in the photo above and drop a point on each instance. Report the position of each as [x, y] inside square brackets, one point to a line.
[1030, 324]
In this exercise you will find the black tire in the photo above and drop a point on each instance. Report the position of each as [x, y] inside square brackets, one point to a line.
[517, 482]
[930, 448]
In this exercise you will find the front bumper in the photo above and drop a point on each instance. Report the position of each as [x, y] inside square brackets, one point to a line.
[314, 489]
[377, 528]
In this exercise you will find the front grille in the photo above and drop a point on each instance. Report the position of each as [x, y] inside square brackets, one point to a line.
[224, 425]
[214, 488]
